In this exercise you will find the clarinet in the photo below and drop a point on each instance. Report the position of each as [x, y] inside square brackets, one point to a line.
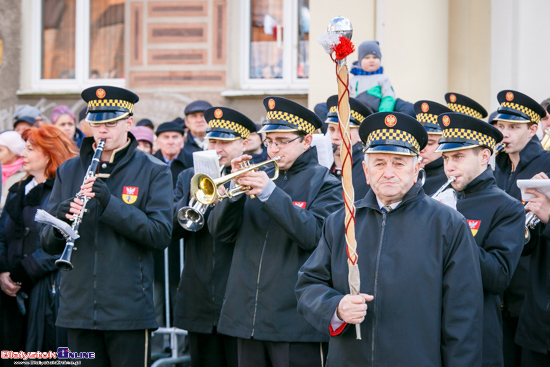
[64, 262]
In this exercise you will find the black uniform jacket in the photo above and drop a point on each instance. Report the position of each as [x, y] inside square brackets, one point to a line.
[435, 176]
[533, 159]
[497, 221]
[272, 241]
[359, 179]
[421, 264]
[189, 147]
[204, 277]
[111, 285]
[533, 330]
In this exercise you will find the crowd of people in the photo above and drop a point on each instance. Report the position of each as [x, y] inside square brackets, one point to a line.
[266, 276]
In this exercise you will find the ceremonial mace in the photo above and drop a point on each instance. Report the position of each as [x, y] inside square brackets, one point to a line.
[337, 40]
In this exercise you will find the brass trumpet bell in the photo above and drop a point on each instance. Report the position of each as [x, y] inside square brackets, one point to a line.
[205, 189]
[191, 217]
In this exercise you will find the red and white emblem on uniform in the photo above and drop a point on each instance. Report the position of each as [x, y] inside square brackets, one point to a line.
[300, 204]
[100, 93]
[446, 120]
[130, 194]
[218, 113]
[474, 225]
[509, 96]
[452, 98]
[271, 104]
[390, 120]
[425, 107]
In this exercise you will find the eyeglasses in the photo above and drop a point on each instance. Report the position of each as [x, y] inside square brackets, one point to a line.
[278, 144]
[96, 125]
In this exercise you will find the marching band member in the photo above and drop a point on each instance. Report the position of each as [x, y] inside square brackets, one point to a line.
[358, 113]
[462, 104]
[432, 163]
[422, 309]
[274, 235]
[534, 320]
[207, 261]
[495, 218]
[517, 120]
[106, 302]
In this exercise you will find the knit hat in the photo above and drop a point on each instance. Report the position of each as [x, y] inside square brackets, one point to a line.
[143, 133]
[369, 48]
[13, 141]
[61, 110]
[169, 126]
[26, 110]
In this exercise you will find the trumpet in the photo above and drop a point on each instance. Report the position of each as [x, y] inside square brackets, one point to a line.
[191, 217]
[531, 221]
[500, 148]
[64, 262]
[205, 188]
[445, 186]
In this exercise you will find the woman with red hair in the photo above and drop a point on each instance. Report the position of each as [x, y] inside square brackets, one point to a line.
[28, 276]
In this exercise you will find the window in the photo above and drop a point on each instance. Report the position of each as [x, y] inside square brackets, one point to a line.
[76, 42]
[276, 44]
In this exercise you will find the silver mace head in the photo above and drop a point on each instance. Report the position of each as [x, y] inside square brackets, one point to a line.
[341, 26]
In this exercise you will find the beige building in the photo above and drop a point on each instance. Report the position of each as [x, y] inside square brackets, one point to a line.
[235, 52]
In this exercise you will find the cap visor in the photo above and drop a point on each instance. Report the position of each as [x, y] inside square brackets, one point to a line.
[218, 135]
[272, 128]
[449, 147]
[105, 116]
[391, 149]
[510, 118]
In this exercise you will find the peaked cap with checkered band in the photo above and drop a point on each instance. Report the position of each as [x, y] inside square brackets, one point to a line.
[284, 115]
[461, 103]
[518, 108]
[426, 114]
[464, 132]
[107, 103]
[392, 132]
[358, 111]
[227, 124]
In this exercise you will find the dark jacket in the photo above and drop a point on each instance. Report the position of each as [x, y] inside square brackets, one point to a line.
[272, 241]
[189, 147]
[21, 254]
[496, 220]
[533, 330]
[413, 260]
[178, 165]
[533, 159]
[204, 277]
[111, 285]
[359, 179]
[435, 176]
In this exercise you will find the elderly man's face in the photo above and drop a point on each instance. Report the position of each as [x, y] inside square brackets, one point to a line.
[391, 176]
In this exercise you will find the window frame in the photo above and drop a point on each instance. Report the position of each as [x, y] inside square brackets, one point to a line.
[82, 79]
[290, 80]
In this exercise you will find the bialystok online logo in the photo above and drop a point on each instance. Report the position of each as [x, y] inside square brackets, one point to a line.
[62, 353]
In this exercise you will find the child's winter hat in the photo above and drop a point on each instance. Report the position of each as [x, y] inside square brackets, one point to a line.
[369, 48]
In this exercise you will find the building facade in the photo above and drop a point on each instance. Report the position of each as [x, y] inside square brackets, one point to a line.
[235, 52]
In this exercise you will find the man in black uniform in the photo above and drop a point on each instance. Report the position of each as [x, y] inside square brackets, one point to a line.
[196, 125]
[358, 113]
[495, 218]
[422, 309]
[207, 262]
[432, 163]
[274, 234]
[517, 120]
[106, 301]
[533, 332]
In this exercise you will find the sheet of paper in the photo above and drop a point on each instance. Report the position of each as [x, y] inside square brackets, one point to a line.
[324, 149]
[447, 197]
[542, 186]
[207, 162]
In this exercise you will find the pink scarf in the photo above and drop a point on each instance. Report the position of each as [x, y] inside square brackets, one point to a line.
[10, 169]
